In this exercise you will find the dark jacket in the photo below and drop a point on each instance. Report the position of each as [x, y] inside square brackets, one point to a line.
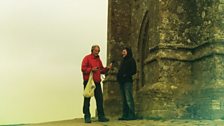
[127, 68]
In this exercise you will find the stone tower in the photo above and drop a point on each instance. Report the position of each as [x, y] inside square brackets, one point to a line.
[179, 49]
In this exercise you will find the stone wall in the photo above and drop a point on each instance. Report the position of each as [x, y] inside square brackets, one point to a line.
[119, 30]
[179, 49]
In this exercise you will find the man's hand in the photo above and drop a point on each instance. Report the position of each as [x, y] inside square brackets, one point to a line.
[94, 69]
[110, 66]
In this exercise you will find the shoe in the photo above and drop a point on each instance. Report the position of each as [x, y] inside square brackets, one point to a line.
[87, 120]
[132, 118]
[103, 119]
[122, 118]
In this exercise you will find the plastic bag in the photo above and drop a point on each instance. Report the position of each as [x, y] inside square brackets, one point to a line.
[90, 87]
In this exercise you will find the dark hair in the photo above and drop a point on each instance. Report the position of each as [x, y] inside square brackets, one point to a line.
[129, 52]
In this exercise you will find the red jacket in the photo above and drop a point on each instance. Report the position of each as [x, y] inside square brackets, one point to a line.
[90, 62]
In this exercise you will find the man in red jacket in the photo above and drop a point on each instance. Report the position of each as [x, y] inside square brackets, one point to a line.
[93, 63]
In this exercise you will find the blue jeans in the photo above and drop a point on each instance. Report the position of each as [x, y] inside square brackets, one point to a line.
[126, 89]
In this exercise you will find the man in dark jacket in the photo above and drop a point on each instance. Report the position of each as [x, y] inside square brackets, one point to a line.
[93, 63]
[124, 77]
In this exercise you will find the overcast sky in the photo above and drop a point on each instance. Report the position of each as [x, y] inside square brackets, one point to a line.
[42, 43]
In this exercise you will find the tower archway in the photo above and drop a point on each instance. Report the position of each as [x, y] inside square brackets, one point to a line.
[142, 49]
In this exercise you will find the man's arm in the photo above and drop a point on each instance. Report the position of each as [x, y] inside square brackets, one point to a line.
[133, 67]
[104, 70]
[86, 69]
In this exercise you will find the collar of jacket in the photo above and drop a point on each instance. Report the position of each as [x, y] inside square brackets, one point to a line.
[95, 57]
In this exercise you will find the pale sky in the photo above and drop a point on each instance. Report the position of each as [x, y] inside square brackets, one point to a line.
[42, 43]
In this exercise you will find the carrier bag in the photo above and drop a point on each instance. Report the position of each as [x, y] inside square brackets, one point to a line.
[90, 87]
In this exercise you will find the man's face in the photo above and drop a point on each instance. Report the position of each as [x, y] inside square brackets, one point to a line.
[124, 53]
[96, 51]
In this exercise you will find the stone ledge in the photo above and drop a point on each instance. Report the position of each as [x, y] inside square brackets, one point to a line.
[185, 53]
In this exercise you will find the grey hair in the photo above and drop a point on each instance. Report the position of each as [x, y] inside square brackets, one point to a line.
[94, 46]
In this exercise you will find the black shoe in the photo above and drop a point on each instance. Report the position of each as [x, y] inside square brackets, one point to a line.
[122, 118]
[131, 118]
[103, 119]
[87, 120]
